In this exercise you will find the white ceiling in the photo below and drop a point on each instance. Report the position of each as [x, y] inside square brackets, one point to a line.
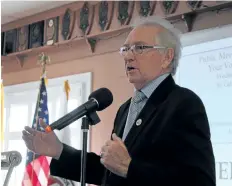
[13, 10]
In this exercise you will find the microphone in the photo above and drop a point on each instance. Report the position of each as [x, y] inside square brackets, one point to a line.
[10, 158]
[98, 101]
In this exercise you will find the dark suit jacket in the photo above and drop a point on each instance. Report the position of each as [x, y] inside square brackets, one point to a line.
[171, 147]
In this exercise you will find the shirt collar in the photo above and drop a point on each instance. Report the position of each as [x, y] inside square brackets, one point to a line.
[150, 87]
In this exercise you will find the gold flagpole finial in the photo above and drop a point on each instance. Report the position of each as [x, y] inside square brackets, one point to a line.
[43, 60]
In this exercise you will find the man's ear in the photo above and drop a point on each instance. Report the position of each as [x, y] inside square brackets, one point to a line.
[169, 55]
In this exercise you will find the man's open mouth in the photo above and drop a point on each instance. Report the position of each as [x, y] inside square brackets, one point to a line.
[130, 68]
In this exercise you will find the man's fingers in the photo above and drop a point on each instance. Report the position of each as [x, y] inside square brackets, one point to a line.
[28, 142]
[42, 124]
[116, 138]
[30, 130]
[27, 135]
[102, 161]
[104, 149]
[26, 139]
[109, 143]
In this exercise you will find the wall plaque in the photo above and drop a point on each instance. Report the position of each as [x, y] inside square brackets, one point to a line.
[193, 4]
[66, 25]
[22, 38]
[36, 34]
[169, 7]
[104, 14]
[2, 43]
[125, 11]
[10, 41]
[146, 8]
[51, 31]
[85, 17]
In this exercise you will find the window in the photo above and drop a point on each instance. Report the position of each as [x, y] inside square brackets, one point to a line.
[20, 101]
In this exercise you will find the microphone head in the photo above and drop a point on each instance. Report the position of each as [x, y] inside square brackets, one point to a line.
[10, 158]
[103, 96]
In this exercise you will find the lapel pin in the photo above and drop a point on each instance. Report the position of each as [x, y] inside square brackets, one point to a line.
[138, 122]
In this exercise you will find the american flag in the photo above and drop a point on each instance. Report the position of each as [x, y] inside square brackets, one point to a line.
[37, 166]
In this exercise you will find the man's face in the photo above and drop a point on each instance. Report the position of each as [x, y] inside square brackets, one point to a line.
[143, 65]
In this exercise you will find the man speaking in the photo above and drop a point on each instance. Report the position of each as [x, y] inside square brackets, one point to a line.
[161, 135]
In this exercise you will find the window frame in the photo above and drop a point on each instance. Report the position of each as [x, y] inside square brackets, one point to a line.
[83, 80]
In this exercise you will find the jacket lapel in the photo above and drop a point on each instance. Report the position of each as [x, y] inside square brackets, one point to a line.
[150, 109]
[120, 124]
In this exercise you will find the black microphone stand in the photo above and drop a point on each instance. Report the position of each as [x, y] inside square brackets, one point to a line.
[90, 119]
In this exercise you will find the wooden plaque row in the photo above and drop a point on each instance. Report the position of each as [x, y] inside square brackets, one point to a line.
[94, 19]
[30, 36]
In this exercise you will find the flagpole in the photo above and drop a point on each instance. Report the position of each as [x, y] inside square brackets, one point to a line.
[43, 60]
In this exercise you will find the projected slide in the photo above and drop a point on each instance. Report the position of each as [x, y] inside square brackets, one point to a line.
[207, 70]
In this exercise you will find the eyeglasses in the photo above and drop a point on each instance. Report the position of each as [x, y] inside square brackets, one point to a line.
[137, 49]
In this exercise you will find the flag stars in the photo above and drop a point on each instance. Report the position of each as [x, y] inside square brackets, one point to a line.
[39, 109]
[41, 101]
[46, 112]
[44, 93]
[44, 120]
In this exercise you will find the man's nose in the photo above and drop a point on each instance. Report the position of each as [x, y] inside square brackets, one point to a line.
[129, 56]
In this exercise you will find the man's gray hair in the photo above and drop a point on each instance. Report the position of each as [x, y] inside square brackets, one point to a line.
[169, 38]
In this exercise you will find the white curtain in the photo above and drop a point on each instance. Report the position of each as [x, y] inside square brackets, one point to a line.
[20, 101]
